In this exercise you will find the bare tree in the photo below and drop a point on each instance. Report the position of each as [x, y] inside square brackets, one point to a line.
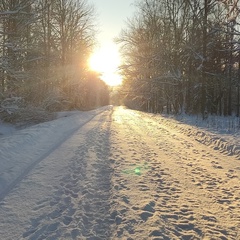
[44, 49]
[15, 21]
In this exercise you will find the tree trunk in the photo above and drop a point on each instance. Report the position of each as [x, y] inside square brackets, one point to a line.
[203, 91]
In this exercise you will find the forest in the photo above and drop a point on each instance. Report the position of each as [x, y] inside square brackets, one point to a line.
[179, 56]
[44, 47]
[182, 56]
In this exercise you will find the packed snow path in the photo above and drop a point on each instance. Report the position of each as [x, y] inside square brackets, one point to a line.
[124, 175]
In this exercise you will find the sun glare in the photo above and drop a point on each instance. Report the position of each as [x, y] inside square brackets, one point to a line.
[106, 61]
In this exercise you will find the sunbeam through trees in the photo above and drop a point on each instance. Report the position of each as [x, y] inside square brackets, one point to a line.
[44, 48]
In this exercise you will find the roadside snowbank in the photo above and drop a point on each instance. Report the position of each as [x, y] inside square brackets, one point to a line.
[220, 133]
[23, 149]
[6, 128]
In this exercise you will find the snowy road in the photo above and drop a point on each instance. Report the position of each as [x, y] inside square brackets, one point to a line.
[125, 175]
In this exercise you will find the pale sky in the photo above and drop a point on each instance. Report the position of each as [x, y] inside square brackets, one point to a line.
[112, 16]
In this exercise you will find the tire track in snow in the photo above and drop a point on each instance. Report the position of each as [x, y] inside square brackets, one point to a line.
[81, 201]
[8, 186]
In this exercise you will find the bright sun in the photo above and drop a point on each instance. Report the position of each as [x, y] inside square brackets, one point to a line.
[106, 61]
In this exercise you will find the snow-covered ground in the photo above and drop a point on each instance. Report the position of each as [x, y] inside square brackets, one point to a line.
[115, 173]
[21, 150]
[220, 133]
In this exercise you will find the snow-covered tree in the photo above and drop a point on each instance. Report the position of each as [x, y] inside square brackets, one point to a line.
[182, 55]
[44, 47]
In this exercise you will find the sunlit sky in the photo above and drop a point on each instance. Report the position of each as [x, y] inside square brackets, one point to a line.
[111, 15]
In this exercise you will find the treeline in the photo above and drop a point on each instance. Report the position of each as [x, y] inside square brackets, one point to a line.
[182, 56]
[44, 47]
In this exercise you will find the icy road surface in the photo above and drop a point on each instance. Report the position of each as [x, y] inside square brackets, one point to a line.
[119, 174]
